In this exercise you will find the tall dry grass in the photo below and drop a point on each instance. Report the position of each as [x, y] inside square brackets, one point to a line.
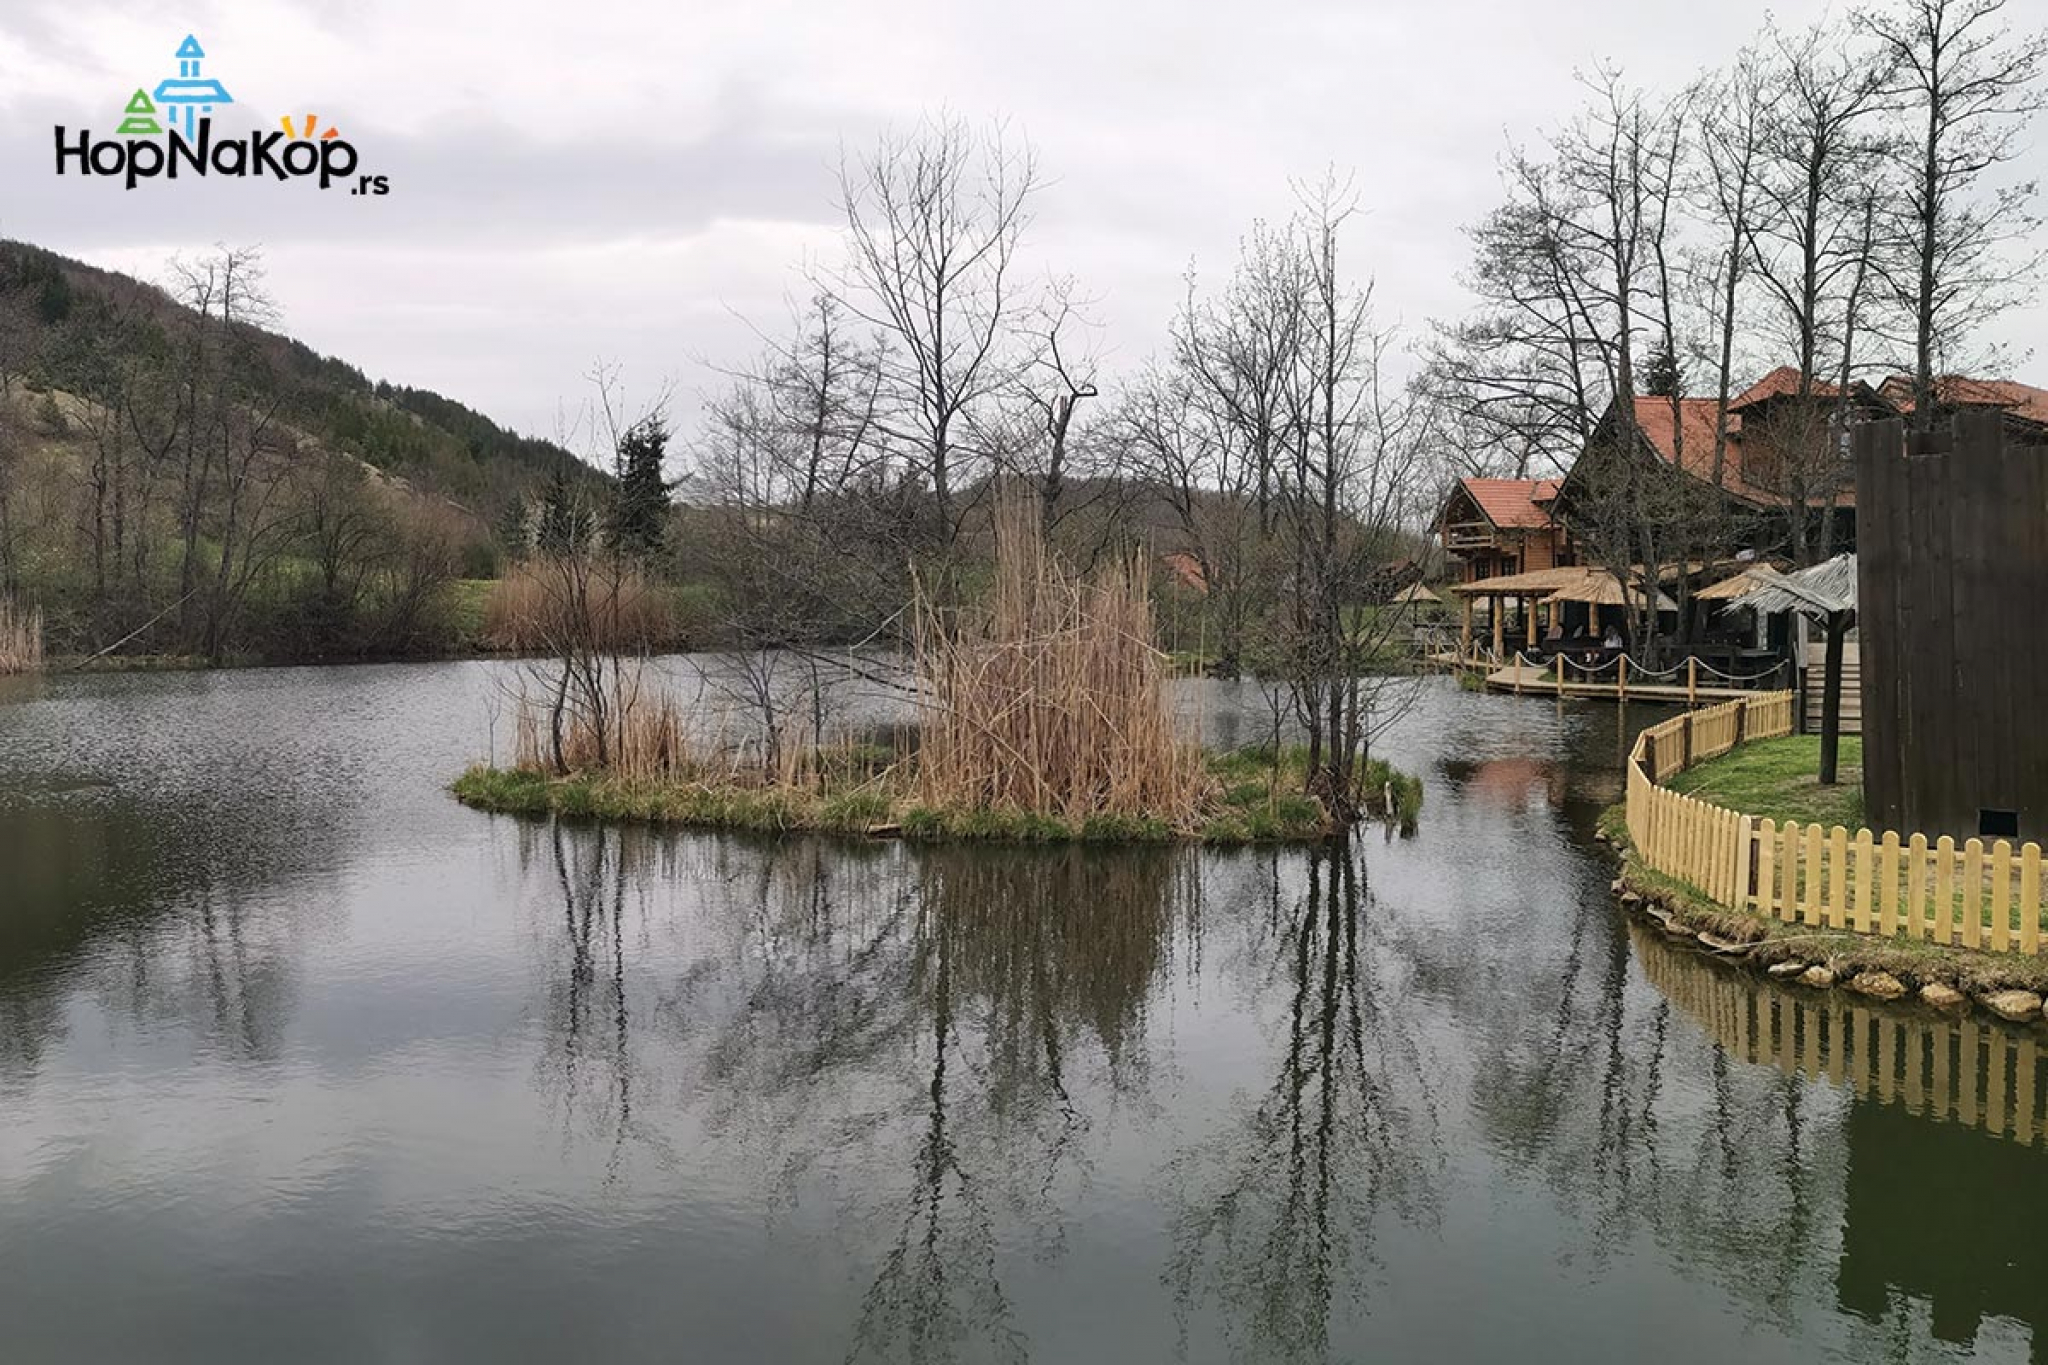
[21, 638]
[545, 601]
[637, 733]
[1051, 698]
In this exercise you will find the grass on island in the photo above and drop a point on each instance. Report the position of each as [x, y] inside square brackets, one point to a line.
[1255, 800]
[1777, 779]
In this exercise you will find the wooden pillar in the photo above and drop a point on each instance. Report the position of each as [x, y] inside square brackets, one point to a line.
[1692, 681]
[1560, 673]
[1621, 674]
[1465, 637]
[1493, 610]
[1831, 698]
[1529, 620]
[1556, 615]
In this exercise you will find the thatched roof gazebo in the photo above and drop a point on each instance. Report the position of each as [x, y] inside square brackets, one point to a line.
[1586, 583]
[1749, 580]
[1414, 595]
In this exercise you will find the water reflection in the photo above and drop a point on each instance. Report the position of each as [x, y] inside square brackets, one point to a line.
[1939, 1112]
[1277, 1212]
[316, 1056]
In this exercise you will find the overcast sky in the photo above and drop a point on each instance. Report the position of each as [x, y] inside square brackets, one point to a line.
[635, 181]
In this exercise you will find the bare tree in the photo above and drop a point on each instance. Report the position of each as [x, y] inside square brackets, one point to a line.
[1822, 144]
[934, 222]
[1968, 86]
[1737, 106]
[1345, 493]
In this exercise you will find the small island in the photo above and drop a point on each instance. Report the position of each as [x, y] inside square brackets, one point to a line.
[1042, 713]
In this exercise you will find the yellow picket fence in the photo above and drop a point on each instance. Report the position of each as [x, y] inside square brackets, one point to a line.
[1975, 895]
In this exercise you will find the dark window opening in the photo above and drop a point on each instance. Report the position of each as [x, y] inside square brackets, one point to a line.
[1998, 824]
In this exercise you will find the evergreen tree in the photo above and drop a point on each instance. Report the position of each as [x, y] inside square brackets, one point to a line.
[1662, 377]
[640, 506]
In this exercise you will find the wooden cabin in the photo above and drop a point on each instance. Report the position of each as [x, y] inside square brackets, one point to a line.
[1492, 527]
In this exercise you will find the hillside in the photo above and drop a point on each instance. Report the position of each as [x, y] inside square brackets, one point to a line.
[66, 325]
[177, 476]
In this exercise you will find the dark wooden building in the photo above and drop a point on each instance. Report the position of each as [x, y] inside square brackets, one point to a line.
[1952, 580]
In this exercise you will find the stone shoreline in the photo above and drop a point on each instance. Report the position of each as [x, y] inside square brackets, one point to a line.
[1949, 980]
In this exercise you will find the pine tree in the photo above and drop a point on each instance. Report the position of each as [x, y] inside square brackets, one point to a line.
[1662, 378]
[640, 508]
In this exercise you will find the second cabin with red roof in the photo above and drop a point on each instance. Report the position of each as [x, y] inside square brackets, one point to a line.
[1778, 455]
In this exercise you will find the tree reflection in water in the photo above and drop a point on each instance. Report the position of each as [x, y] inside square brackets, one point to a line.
[1277, 1214]
[1016, 957]
[850, 1010]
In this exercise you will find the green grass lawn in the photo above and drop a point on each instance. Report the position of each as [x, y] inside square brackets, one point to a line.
[1775, 779]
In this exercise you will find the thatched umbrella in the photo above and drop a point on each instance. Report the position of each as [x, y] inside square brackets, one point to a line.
[1414, 595]
[1749, 580]
[1601, 589]
[1825, 593]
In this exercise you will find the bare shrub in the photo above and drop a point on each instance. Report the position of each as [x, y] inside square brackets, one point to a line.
[21, 638]
[637, 735]
[1051, 699]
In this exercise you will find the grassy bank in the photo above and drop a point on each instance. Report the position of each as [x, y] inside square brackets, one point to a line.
[1256, 799]
[1775, 779]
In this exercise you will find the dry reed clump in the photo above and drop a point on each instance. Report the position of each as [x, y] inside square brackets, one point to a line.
[630, 731]
[545, 601]
[1051, 699]
[21, 638]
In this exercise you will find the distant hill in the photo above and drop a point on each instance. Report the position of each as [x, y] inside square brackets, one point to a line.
[70, 321]
[191, 482]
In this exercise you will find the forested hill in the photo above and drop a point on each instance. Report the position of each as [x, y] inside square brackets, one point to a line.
[179, 478]
[73, 327]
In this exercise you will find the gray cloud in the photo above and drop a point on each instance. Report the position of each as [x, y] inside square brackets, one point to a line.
[620, 179]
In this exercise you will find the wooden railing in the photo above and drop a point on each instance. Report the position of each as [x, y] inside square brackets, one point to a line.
[1833, 878]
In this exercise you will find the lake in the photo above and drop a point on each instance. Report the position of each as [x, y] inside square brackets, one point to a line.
[301, 1060]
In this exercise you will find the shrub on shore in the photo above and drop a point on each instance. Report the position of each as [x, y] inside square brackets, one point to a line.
[21, 638]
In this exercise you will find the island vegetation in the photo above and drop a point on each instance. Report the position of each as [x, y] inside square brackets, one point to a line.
[1042, 706]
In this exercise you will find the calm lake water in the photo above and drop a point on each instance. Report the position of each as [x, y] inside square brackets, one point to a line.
[302, 1061]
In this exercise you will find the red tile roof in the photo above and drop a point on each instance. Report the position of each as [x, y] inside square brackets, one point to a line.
[2022, 400]
[1512, 504]
[1777, 384]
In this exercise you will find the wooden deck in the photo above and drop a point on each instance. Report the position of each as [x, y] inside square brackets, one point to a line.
[1526, 681]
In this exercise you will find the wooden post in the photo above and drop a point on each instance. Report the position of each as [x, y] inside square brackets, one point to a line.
[1831, 698]
[1529, 620]
[1560, 674]
[1692, 680]
[1621, 672]
[1493, 609]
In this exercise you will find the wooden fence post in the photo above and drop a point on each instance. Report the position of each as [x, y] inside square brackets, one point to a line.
[1622, 673]
[2030, 898]
[1739, 883]
[1692, 680]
